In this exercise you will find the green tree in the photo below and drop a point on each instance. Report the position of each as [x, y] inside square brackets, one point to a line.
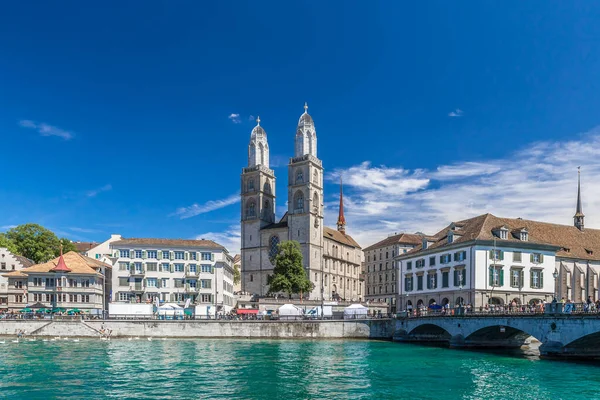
[37, 243]
[289, 275]
[9, 244]
[67, 246]
[237, 276]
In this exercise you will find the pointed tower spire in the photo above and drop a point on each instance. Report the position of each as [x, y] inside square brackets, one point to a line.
[579, 217]
[341, 222]
[305, 107]
[61, 266]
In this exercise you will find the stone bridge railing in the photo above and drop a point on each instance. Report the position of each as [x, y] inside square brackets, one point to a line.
[561, 334]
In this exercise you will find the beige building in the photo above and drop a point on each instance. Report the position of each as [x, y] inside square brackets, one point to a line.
[380, 271]
[331, 258]
[69, 281]
[9, 262]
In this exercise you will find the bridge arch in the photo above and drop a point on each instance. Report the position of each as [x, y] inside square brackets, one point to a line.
[430, 332]
[586, 344]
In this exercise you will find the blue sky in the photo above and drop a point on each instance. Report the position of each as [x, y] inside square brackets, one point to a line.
[115, 116]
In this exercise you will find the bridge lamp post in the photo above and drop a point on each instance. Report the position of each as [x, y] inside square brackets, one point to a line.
[555, 276]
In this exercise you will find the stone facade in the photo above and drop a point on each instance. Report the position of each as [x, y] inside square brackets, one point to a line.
[331, 258]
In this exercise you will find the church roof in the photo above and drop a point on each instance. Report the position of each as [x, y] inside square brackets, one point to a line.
[339, 237]
[305, 119]
[569, 241]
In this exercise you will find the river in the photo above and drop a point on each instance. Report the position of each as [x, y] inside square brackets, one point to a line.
[281, 369]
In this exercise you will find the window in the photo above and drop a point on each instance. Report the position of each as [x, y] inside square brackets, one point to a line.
[386, 254]
[431, 261]
[445, 279]
[273, 246]
[251, 278]
[250, 185]
[496, 255]
[250, 209]
[537, 258]
[408, 265]
[179, 255]
[152, 254]
[299, 202]
[124, 253]
[193, 256]
[3, 266]
[524, 236]
[205, 283]
[178, 267]
[420, 263]
[299, 176]
[123, 281]
[503, 234]
[206, 298]
[164, 282]
[138, 254]
[192, 268]
[164, 267]
[537, 278]
[138, 267]
[420, 282]
[460, 256]
[516, 278]
[460, 277]
[450, 237]
[431, 281]
[445, 258]
[151, 267]
[206, 256]
[496, 276]
[408, 283]
[152, 282]
[206, 268]
[123, 266]
[517, 255]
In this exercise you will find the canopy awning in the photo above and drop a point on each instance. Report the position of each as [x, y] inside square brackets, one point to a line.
[247, 311]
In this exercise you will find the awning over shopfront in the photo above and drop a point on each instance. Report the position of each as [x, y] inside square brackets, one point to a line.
[247, 311]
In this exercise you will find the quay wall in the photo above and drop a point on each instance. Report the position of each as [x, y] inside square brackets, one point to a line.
[359, 329]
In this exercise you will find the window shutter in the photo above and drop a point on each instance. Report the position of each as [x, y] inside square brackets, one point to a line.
[464, 254]
[212, 256]
[455, 256]
[541, 258]
[541, 279]
[491, 276]
[172, 267]
[531, 278]
[531, 257]
[501, 277]
[456, 278]
[501, 255]
[186, 255]
[491, 254]
[143, 254]
[171, 255]
[132, 253]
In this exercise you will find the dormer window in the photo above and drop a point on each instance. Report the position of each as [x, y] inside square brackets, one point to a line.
[501, 232]
[524, 236]
[450, 237]
[424, 244]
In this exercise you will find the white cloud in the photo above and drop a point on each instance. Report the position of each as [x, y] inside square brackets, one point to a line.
[235, 118]
[251, 118]
[456, 113]
[230, 238]
[45, 129]
[95, 192]
[211, 205]
[83, 230]
[7, 227]
[537, 182]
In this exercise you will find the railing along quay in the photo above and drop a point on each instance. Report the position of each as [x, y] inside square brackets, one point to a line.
[549, 309]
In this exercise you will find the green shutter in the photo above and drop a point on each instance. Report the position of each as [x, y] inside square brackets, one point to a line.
[171, 255]
[531, 257]
[158, 254]
[491, 276]
[541, 258]
[501, 255]
[491, 254]
[212, 256]
[172, 268]
[502, 277]
[541, 279]
[455, 277]
[186, 255]
[144, 254]
[531, 278]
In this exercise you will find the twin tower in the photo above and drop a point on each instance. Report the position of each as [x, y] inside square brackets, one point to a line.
[303, 221]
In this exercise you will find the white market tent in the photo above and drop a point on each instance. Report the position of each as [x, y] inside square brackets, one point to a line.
[170, 310]
[355, 311]
[290, 311]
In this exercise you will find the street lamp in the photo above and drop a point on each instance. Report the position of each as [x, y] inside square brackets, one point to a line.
[555, 275]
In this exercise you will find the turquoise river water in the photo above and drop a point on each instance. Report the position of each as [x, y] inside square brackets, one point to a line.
[281, 369]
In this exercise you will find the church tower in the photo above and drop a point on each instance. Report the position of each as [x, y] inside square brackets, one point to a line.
[305, 196]
[578, 217]
[341, 222]
[257, 206]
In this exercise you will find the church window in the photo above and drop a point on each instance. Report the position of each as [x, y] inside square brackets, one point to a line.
[316, 203]
[267, 205]
[299, 176]
[273, 246]
[250, 185]
[267, 187]
[299, 201]
[325, 280]
[251, 278]
[251, 209]
[316, 178]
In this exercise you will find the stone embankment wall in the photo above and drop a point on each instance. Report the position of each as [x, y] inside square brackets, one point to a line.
[365, 329]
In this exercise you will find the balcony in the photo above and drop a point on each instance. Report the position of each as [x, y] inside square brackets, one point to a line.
[138, 287]
[191, 289]
[137, 272]
[189, 273]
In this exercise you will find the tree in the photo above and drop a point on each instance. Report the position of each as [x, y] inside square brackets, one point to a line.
[37, 243]
[9, 244]
[237, 276]
[289, 275]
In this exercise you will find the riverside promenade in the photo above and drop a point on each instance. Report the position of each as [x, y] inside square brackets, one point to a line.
[311, 329]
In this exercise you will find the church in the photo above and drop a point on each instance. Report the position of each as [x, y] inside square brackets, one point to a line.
[332, 259]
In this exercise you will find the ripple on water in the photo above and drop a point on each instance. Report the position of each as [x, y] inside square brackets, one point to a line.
[285, 369]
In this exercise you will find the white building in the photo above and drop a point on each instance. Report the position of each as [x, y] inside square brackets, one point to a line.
[9, 262]
[172, 270]
[331, 258]
[102, 249]
[380, 269]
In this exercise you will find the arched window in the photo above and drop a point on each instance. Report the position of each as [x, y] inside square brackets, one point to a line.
[267, 187]
[251, 209]
[299, 201]
[250, 185]
[299, 176]
[316, 177]
[252, 155]
[267, 206]
[315, 203]
[273, 246]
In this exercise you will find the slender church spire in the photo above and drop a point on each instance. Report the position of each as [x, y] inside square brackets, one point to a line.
[578, 217]
[341, 222]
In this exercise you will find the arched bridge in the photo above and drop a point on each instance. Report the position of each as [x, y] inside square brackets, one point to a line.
[576, 336]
